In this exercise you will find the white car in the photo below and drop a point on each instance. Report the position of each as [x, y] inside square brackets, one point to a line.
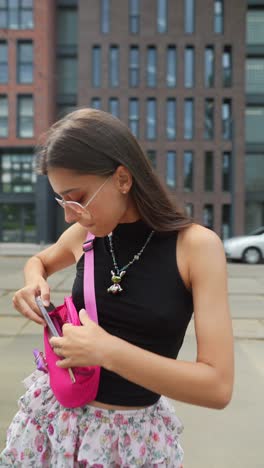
[249, 248]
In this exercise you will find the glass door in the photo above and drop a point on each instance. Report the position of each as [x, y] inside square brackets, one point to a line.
[17, 223]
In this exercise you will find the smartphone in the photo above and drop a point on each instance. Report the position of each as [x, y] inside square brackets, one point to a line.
[45, 312]
[53, 330]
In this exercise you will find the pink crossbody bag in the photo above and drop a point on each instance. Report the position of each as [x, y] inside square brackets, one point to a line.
[84, 388]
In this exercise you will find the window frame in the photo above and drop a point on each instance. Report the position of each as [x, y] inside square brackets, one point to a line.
[21, 117]
[19, 63]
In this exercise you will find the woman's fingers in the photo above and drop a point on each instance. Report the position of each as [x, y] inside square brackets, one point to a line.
[45, 293]
[24, 300]
[22, 306]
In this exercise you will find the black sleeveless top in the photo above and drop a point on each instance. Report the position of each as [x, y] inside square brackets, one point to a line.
[152, 311]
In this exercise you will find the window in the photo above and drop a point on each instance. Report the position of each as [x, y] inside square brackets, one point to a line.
[67, 27]
[171, 169]
[209, 119]
[209, 66]
[227, 66]
[188, 171]
[17, 173]
[254, 215]
[254, 124]
[171, 119]
[134, 116]
[134, 66]
[226, 172]
[255, 75]
[209, 171]
[151, 119]
[189, 16]
[114, 106]
[67, 75]
[96, 67]
[64, 109]
[3, 116]
[162, 16]
[152, 67]
[254, 172]
[208, 216]
[96, 103]
[189, 67]
[188, 118]
[26, 14]
[255, 26]
[105, 16]
[227, 119]
[114, 66]
[219, 16]
[3, 14]
[16, 14]
[13, 14]
[24, 61]
[152, 156]
[3, 62]
[171, 77]
[226, 221]
[25, 114]
[134, 16]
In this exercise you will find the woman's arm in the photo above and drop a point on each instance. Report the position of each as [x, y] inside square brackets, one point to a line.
[206, 382]
[40, 266]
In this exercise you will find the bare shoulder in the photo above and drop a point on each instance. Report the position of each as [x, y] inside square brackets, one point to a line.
[200, 249]
[73, 238]
[199, 237]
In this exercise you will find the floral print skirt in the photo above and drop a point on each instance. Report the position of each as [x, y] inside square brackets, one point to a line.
[44, 434]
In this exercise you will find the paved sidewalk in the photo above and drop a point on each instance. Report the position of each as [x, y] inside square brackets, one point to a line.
[230, 438]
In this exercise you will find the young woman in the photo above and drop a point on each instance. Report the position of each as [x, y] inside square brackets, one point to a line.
[173, 267]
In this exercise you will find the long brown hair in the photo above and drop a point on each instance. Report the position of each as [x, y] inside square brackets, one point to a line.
[90, 141]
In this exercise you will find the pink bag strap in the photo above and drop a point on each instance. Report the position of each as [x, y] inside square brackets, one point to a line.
[88, 278]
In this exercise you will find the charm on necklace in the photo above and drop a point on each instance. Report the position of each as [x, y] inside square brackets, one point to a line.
[116, 279]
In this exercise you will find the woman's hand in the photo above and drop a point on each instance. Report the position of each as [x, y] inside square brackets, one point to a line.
[82, 346]
[25, 303]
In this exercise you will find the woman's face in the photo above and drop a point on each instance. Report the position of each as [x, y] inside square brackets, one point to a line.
[111, 205]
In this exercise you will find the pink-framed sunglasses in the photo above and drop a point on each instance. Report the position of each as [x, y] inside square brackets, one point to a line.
[76, 206]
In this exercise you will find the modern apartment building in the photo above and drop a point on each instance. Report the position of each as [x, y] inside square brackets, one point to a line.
[173, 70]
[254, 157]
[26, 110]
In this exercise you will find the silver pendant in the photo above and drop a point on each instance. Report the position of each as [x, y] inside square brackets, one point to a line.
[116, 279]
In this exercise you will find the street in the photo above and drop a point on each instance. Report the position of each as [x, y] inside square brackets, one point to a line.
[229, 438]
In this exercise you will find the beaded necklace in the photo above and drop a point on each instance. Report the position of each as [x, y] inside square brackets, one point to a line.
[118, 273]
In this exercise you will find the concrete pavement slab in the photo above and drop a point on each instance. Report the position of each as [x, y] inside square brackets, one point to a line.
[247, 306]
[12, 281]
[15, 364]
[6, 306]
[243, 286]
[233, 437]
[248, 329]
[242, 270]
[33, 329]
[12, 326]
